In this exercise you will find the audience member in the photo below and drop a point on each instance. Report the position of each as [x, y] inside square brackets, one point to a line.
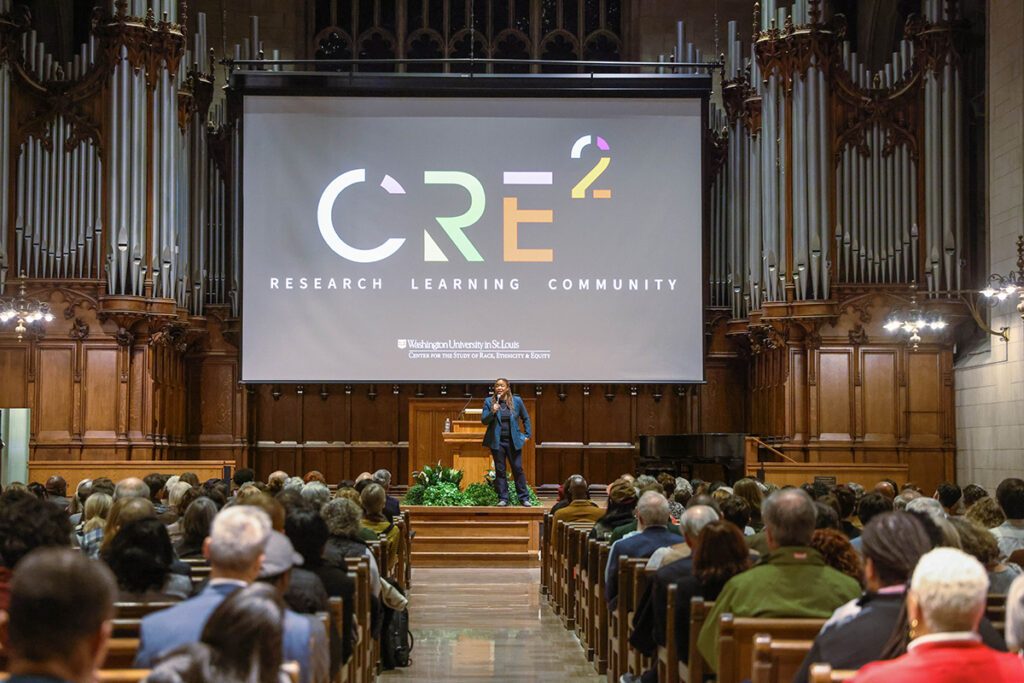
[986, 512]
[131, 487]
[275, 508]
[275, 482]
[234, 550]
[652, 518]
[242, 641]
[372, 499]
[750, 491]
[391, 505]
[121, 512]
[302, 590]
[157, 493]
[694, 519]
[945, 604]
[826, 516]
[308, 533]
[293, 484]
[1010, 534]
[801, 584]
[314, 475]
[858, 631]
[242, 476]
[141, 558]
[77, 505]
[343, 518]
[951, 498]
[26, 523]
[886, 488]
[976, 540]
[315, 493]
[195, 527]
[38, 490]
[972, 494]
[580, 509]
[902, 500]
[870, 506]
[1015, 616]
[848, 522]
[621, 504]
[58, 621]
[737, 510]
[837, 552]
[191, 478]
[56, 491]
[97, 508]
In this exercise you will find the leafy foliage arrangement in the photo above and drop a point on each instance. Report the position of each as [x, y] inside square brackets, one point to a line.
[439, 486]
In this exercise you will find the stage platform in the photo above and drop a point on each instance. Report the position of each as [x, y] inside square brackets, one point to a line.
[476, 536]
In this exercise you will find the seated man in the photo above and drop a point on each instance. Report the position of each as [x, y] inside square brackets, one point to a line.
[791, 581]
[1010, 534]
[44, 644]
[652, 519]
[235, 552]
[391, 507]
[951, 497]
[580, 509]
[57, 490]
[27, 523]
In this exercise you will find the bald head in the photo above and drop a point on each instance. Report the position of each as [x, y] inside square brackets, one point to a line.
[886, 489]
[578, 488]
[132, 487]
[790, 516]
[133, 509]
[695, 519]
[652, 509]
[279, 475]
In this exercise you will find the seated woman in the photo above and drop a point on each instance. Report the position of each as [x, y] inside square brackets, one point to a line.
[343, 518]
[242, 642]
[945, 604]
[195, 527]
[373, 498]
[94, 516]
[621, 504]
[837, 552]
[140, 556]
[1015, 616]
[979, 542]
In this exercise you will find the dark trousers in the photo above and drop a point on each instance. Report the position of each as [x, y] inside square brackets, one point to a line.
[515, 459]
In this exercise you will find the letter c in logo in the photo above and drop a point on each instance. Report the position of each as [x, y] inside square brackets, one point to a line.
[326, 223]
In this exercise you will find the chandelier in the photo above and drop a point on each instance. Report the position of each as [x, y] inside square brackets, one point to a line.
[23, 309]
[1002, 286]
[912, 321]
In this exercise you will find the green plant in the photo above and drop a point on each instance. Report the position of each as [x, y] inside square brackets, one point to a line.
[438, 474]
[443, 494]
[414, 496]
[481, 493]
[514, 500]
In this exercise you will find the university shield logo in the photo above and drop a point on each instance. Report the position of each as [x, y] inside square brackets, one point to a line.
[401, 343]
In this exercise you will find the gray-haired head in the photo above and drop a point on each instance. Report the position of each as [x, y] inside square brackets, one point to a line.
[294, 484]
[652, 509]
[342, 516]
[790, 516]
[950, 588]
[645, 480]
[132, 487]
[929, 506]
[695, 519]
[237, 538]
[316, 492]
[382, 477]
[682, 484]
[1015, 615]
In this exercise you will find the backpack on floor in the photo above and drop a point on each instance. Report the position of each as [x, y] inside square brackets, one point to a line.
[396, 641]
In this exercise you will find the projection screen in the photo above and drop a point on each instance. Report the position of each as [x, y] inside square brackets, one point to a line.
[457, 239]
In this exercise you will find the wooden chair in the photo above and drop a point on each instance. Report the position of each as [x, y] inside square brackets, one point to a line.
[697, 666]
[121, 675]
[601, 611]
[736, 641]
[402, 569]
[137, 610]
[637, 662]
[361, 663]
[126, 628]
[995, 609]
[336, 610]
[591, 584]
[409, 535]
[121, 653]
[824, 673]
[777, 661]
[545, 555]
[571, 569]
[1017, 557]
[668, 658]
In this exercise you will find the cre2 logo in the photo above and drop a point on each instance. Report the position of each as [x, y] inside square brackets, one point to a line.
[453, 226]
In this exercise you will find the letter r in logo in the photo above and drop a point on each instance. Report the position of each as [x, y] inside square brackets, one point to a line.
[326, 222]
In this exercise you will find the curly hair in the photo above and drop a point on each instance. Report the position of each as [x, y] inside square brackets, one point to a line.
[976, 540]
[986, 512]
[27, 523]
[719, 553]
[837, 552]
[343, 516]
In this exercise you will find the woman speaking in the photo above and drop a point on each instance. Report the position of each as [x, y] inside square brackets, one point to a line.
[502, 413]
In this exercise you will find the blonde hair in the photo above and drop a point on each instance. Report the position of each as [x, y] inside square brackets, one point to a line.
[97, 507]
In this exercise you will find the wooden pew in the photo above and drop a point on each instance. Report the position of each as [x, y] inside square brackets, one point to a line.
[402, 569]
[668, 658]
[121, 653]
[736, 641]
[824, 673]
[637, 662]
[361, 664]
[583, 586]
[618, 619]
[777, 661]
[336, 610]
[601, 611]
[995, 611]
[697, 667]
[137, 610]
[545, 555]
[590, 580]
[409, 535]
[571, 568]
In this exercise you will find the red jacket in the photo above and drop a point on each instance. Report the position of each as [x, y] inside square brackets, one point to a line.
[954, 661]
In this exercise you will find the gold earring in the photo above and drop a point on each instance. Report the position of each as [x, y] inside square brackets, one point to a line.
[913, 629]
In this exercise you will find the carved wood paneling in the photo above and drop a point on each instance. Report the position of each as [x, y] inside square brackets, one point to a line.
[14, 385]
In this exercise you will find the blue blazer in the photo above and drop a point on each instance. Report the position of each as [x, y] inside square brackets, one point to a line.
[638, 545]
[492, 438]
[182, 624]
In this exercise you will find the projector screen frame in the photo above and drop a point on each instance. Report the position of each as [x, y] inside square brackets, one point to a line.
[244, 83]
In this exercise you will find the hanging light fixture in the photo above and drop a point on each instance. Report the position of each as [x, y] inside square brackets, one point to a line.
[912, 321]
[1001, 287]
[25, 310]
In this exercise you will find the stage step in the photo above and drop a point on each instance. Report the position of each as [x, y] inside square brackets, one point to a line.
[475, 536]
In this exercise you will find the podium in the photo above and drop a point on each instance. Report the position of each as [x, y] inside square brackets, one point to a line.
[463, 442]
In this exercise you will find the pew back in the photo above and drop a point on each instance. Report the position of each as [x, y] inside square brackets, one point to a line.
[736, 641]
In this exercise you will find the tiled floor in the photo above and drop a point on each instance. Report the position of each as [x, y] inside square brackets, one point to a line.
[488, 625]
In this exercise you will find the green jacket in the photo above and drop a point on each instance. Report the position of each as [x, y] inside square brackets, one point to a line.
[791, 581]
